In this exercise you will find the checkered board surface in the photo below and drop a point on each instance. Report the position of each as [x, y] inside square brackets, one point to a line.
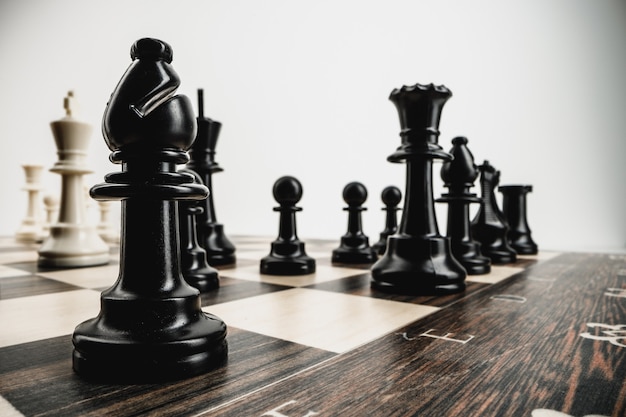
[280, 328]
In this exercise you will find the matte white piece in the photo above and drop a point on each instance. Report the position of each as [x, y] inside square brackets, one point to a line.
[31, 229]
[107, 232]
[72, 242]
[51, 206]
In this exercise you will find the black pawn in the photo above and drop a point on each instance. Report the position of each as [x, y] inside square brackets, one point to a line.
[287, 256]
[514, 210]
[458, 176]
[354, 247]
[211, 236]
[391, 197]
[489, 226]
[150, 327]
[196, 270]
[418, 259]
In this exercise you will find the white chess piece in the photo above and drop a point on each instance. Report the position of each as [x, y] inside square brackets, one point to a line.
[72, 242]
[31, 229]
[51, 206]
[106, 231]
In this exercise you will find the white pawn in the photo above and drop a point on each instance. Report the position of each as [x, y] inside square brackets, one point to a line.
[31, 229]
[51, 206]
[72, 242]
[106, 231]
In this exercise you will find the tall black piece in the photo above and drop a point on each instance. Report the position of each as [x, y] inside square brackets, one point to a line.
[418, 259]
[219, 249]
[354, 247]
[458, 176]
[150, 327]
[195, 268]
[489, 226]
[391, 197]
[514, 210]
[288, 255]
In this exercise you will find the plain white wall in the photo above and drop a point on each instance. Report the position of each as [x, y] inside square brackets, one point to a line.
[302, 88]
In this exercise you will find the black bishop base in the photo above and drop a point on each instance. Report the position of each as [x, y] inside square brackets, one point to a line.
[150, 327]
[418, 260]
[287, 255]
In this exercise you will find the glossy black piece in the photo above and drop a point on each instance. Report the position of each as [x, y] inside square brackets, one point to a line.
[196, 270]
[458, 176]
[354, 247]
[287, 255]
[150, 327]
[514, 210]
[418, 259]
[391, 197]
[489, 227]
[211, 236]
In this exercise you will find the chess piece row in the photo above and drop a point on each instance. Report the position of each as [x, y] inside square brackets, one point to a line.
[151, 326]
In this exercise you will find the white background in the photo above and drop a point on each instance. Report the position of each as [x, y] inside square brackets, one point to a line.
[301, 87]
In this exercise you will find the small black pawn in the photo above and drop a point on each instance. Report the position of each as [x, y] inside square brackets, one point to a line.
[287, 256]
[514, 210]
[211, 236]
[418, 259]
[459, 175]
[196, 270]
[151, 326]
[391, 197]
[354, 247]
[489, 227]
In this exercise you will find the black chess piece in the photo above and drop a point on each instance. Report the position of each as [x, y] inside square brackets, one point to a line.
[391, 197]
[287, 255]
[514, 210]
[354, 247]
[418, 259]
[458, 176]
[196, 270]
[489, 227]
[150, 327]
[211, 235]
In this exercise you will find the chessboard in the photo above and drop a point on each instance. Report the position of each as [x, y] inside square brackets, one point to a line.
[545, 336]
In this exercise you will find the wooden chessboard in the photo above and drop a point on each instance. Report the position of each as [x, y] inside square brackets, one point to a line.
[545, 334]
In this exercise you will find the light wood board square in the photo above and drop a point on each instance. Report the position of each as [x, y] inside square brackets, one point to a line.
[325, 320]
[27, 319]
[497, 274]
[92, 277]
[322, 273]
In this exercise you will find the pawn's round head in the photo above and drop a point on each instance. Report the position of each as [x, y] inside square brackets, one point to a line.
[391, 196]
[287, 190]
[151, 49]
[354, 194]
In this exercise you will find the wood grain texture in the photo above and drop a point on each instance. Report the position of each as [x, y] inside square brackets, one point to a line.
[37, 379]
[501, 349]
[523, 356]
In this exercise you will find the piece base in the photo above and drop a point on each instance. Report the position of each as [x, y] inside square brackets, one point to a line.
[111, 355]
[281, 265]
[418, 265]
[204, 280]
[354, 256]
[219, 250]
